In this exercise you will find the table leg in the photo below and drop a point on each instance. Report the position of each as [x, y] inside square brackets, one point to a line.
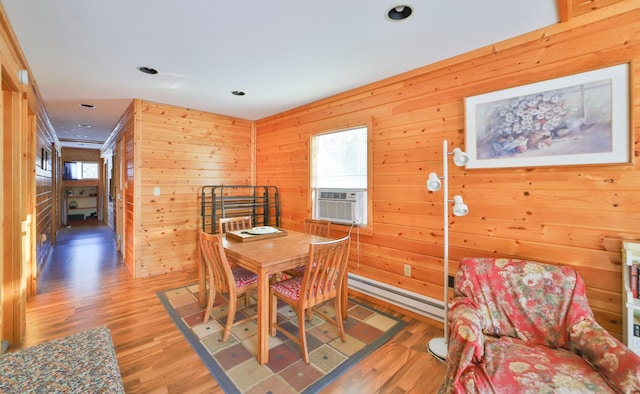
[263, 318]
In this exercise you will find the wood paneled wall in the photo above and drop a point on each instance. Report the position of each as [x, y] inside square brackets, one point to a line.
[131, 217]
[27, 196]
[120, 147]
[177, 150]
[45, 200]
[122, 151]
[561, 215]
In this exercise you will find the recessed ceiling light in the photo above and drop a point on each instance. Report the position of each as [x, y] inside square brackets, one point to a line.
[399, 13]
[238, 93]
[148, 70]
[87, 105]
[85, 126]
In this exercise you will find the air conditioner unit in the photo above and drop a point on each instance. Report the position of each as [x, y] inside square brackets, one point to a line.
[341, 206]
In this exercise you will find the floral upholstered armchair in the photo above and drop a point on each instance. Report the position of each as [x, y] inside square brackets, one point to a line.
[525, 327]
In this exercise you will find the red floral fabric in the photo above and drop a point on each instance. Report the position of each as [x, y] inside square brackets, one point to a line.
[525, 327]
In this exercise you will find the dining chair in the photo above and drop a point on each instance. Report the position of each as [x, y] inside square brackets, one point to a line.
[234, 223]
[223, 278]
[325, 274]
[314, 227]
[317, 227]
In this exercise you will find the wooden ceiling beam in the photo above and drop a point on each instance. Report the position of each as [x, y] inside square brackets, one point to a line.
[564, 10]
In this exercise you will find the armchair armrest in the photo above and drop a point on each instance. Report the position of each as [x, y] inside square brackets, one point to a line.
[616, 363]
[465, 343]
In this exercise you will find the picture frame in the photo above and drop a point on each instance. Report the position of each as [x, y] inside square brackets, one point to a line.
[581, 119]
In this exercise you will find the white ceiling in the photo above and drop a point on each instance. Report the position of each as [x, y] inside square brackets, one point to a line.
[282, 53]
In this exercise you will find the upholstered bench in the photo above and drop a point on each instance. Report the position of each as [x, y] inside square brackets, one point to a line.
[80, 363]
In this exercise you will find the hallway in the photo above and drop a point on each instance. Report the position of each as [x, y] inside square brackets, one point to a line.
[83, 255]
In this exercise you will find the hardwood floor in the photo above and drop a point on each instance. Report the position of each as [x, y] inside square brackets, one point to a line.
[85, 284]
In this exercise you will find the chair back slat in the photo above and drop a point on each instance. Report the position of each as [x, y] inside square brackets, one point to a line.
[218, 268]
[317, 227]
[325, 271]
[234, 224]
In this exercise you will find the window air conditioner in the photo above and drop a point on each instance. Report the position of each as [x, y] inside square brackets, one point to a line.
[341, 206]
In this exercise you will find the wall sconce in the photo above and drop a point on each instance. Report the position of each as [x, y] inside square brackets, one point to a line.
[459, 207]
[433, 183]
[438, 346]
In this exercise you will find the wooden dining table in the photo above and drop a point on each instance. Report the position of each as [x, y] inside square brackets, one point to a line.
[267, 257]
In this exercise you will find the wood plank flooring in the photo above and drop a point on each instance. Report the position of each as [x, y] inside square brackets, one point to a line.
[85, 284]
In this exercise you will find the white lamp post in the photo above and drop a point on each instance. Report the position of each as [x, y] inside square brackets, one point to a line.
[438, 346]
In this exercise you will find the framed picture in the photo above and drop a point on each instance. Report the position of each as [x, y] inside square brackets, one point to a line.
[574, 120]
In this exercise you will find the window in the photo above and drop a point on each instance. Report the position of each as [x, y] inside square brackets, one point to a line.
[341, 159]
[339, 175]
[74, 170]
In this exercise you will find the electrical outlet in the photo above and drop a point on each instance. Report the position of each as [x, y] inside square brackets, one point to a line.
[407, 270]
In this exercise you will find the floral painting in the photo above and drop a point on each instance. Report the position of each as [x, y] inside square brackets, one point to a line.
[580, 119]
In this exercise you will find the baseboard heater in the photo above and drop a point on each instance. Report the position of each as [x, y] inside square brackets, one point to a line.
[423, 305]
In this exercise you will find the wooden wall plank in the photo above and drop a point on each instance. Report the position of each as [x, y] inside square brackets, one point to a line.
[581, 7]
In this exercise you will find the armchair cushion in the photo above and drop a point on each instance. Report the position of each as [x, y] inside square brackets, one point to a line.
[521, 326]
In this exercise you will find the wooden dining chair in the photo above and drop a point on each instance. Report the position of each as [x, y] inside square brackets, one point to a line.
[223, 278]
[317, 227]
[322, 281]
[314, 227]
[234, 224]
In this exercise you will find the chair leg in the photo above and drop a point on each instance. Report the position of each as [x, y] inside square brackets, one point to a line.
[212, 297]
[338, 309]
[233, 304]
[246, 299]
[309, 312]
[303, 336]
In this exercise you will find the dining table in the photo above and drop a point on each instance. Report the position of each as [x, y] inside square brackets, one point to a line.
[268, 257]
